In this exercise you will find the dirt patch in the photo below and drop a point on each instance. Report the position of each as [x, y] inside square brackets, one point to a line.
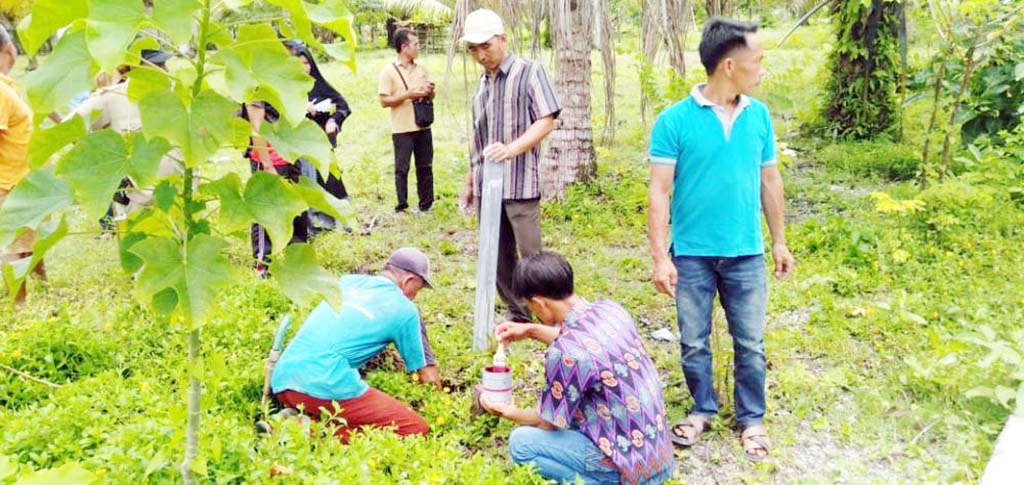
[810, 455]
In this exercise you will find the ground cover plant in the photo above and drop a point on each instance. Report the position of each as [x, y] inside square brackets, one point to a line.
[894, 352]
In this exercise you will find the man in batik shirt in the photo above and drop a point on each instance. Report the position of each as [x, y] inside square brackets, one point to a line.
[602, 416]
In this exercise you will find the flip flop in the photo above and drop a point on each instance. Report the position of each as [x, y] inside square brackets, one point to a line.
[696, 423]
[753, 439]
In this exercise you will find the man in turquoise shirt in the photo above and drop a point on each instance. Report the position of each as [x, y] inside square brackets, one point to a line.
[319, 369]
[713, 155]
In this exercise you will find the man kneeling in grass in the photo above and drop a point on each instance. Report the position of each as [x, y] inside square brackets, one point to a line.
[601, 416]
[319, 370]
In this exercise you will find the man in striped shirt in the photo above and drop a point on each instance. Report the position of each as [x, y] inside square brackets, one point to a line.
[514, 108]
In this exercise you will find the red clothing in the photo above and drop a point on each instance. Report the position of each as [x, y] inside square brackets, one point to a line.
[373, 408]
[275, 158]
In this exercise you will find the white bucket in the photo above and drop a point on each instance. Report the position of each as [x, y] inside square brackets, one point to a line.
[497, 384]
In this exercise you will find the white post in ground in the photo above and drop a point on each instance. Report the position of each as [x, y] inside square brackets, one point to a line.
[487, 253]
[1006, 466]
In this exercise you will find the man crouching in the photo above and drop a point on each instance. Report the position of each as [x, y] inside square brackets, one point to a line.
[601, 416]
[319, 370]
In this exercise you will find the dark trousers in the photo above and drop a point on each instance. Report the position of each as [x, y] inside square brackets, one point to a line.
[421, 144]
[518, 235]
[261, 247]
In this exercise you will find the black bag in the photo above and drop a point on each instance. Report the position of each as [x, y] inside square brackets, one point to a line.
[423, 108]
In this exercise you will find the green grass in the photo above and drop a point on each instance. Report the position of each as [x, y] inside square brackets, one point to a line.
[868, 379]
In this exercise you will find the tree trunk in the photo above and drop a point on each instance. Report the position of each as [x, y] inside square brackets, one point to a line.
[570, 147]
[862, 91]
[194, 401]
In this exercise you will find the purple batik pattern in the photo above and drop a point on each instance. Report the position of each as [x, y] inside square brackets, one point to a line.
[601, 382]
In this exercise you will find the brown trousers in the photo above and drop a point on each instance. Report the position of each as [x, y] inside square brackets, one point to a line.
[374, 408]
[518, 236]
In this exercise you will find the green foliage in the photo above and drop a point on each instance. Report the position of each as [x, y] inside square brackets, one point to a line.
[875, 159]
[996, 96]
[861, 93]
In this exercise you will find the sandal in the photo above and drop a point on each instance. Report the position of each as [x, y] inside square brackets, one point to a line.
[687, 432]
[755, 443]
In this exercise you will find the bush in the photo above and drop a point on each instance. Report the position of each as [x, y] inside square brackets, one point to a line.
[881, 159]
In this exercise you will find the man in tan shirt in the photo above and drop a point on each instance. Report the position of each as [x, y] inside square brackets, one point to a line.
[15, 132]
[401, 83]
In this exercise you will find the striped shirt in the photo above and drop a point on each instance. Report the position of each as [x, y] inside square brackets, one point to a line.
[504, 106]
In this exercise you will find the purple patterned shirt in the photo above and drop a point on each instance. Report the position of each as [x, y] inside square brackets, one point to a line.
[601, 382]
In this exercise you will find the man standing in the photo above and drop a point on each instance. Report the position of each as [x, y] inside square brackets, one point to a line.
[514, 108]
[319, 369]
[713, 156]
[401, 84]
[15, 131]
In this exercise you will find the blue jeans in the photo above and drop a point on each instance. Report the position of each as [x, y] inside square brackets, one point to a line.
[743, 290]
[561, 455]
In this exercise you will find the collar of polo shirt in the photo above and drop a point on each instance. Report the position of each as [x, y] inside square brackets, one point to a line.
[698, 96]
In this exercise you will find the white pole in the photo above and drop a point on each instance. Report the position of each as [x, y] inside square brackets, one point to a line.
[487, 253]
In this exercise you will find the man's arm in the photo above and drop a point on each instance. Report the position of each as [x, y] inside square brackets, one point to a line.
[393, 100]
[658, 193]
[525, 417]
[509, 331]
[773, 205]
[533, 135]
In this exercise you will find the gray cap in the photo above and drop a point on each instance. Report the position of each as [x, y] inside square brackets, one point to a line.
[414, 261]
[155, 56]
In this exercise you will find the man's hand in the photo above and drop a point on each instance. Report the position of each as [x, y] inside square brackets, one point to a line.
[784, 261]
[508, 331]
[430, 375]
[466, 199]
[331, 127]
[665, 275]
[420, 92]
[499, 409]
[498, 152]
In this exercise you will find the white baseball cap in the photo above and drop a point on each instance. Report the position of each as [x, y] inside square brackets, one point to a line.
[481, 25]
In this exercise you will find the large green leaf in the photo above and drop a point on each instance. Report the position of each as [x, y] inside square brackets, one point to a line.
[97, 164]
[234, 215]
[63, 74]
[38, 195]
[305, 140]
[175, 18]
[335, 15]
[70, 473]
[239, 82]
[299, 19]
[199, 132]
[47, 236]
[273, 204]
[46, 142]
[195, 275]
[317, 198]
[302, 278]
[163, 114]
[144, 80]
[47, 16]
[281, 79]
[210, 124]
[112, 25]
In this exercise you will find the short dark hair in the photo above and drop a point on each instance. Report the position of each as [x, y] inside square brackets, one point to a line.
[402, 38]
[545, 274]
[4, 37]
[720, 37]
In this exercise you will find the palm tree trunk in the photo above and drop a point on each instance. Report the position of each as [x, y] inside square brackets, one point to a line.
[570, 147]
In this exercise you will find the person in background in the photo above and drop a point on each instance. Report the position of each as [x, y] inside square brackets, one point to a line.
[401, 84]
[318, 372]
[109, 107]
[328, 109]
[514, 109]
[712, 156]
[263, 157]
[601, 415]
[15, 132]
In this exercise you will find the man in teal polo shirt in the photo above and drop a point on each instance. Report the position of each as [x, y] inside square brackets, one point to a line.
[319, 370]
[713, 156]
